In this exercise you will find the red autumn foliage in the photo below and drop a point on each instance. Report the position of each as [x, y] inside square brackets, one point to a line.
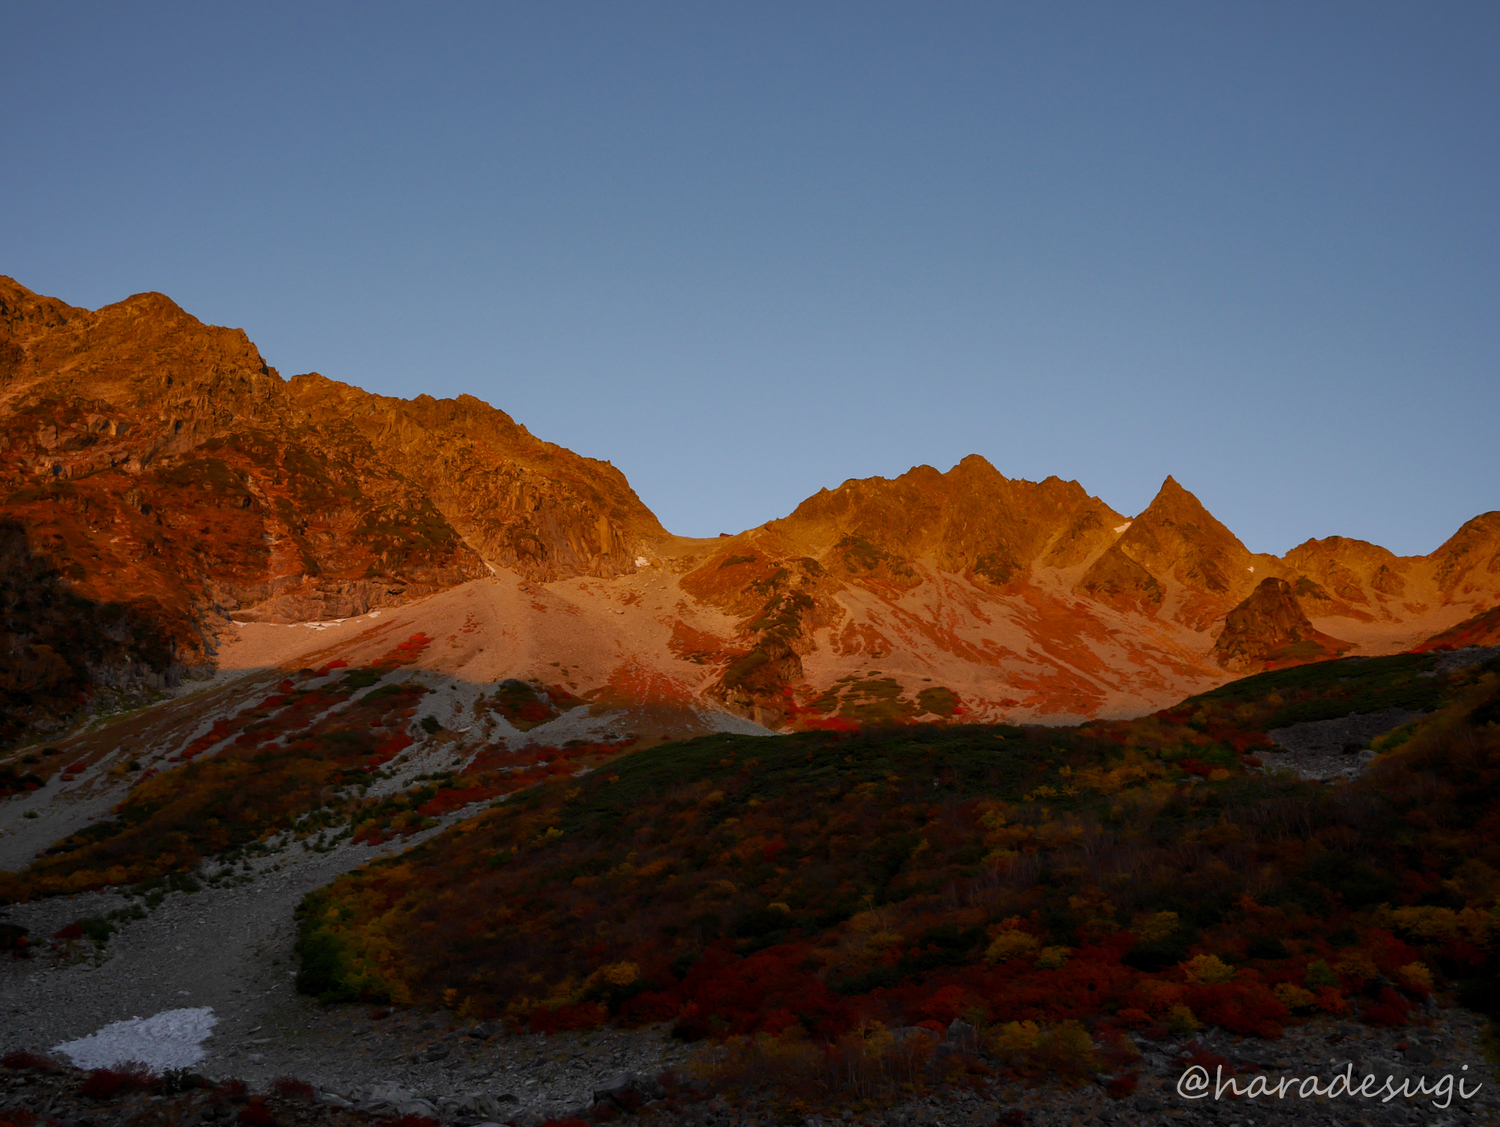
[256, 1114]
[1390, 1008]
[290, 1088]
[22, 1061]
[583, 1015]
[102, 1083]
[1123, 1085]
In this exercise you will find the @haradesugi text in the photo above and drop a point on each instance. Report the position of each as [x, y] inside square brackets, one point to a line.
[1196, 1084]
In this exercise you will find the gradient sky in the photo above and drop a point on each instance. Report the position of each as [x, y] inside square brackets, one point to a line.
[747, 251]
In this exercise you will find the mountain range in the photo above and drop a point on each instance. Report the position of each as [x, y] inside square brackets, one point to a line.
[174, 510]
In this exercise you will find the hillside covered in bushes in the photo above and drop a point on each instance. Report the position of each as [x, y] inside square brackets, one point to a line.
[1156, 874]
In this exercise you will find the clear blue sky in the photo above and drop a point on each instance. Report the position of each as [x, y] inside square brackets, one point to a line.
[745, 251]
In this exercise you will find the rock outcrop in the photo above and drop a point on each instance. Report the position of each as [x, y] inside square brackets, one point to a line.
[972, 520]
[1269, 630]
[522, 503]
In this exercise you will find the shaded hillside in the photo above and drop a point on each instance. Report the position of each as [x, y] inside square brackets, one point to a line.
[57, 648]
[1122, 875]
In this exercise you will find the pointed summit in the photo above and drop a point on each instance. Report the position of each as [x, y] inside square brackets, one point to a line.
[1178, 543]
[1177, 538]
[1174, 503]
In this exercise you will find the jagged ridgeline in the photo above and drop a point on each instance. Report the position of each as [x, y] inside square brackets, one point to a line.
[158, 478]
[1146, 874]
[160, 482]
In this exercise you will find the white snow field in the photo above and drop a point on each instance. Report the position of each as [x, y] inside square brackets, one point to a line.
[171, 1039]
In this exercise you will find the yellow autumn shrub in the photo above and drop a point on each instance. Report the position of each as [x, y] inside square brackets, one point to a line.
[1010, 945]
[1051, 958]
[1068, 1049]
[613, 974]
[1014, 1037]
[1293, 997]
[1181, 1021]
[1356, 964]
[1207, 969]
[1416, 974]
[1155, 927]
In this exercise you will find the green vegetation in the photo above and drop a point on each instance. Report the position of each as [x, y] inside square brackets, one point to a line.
[998, 567]
[1115, 875]
[862, 558]
[875, 701]
[1329, 689]
[399, 537]
[208, 474]
[938, 700]
[522, 705]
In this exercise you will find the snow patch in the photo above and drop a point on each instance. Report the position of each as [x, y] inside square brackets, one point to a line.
[171, 1039]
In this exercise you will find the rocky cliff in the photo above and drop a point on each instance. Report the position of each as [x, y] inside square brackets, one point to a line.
[154, 463]
[158, 481]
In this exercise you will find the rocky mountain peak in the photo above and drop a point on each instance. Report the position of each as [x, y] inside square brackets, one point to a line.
[160, 478]
[1269, 629]
[1177, 538]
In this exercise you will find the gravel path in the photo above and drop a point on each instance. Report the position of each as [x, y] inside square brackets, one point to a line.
[231, 949]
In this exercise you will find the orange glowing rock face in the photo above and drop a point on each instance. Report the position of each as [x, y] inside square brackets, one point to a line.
[172, 506]
[1481, 630]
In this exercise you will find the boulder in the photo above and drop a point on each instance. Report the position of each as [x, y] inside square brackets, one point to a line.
[481, 1105]
[963, 1037]
[629, 1091]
